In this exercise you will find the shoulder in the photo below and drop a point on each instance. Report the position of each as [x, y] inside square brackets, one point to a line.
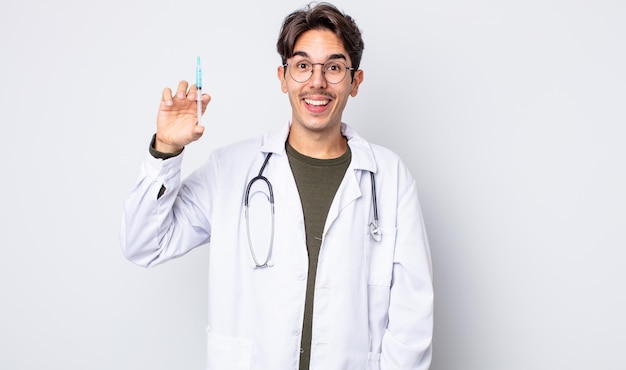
[366, 150]
[388, 165]
[366, 155]
[384, 154]
[273, 141]
[381, 156]
[238, 149]
[230, 160]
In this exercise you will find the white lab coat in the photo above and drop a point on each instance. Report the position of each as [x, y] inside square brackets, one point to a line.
[373, 304]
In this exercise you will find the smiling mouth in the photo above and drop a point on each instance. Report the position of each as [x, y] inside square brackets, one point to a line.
[317, 103]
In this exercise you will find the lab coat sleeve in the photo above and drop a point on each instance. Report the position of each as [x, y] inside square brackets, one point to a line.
[407, 342]
[156, 229]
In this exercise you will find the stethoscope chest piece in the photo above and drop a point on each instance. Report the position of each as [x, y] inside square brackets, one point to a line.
[375, 232]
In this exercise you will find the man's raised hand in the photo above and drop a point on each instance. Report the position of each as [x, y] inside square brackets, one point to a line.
[177, 121]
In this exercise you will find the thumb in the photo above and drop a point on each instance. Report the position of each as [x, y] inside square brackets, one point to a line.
[196, 132]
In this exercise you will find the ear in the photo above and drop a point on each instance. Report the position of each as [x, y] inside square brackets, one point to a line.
[356, 81]
[281, 76]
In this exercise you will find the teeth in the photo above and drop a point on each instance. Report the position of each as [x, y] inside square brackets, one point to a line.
[317, 102]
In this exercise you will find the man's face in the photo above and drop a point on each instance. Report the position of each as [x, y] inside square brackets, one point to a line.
[317, 105]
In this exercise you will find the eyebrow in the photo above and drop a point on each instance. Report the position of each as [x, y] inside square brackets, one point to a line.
[330, 57]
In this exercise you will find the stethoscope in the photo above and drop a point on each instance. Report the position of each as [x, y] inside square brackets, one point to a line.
[373, 226]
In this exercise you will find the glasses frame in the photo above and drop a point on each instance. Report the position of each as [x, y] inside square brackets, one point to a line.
[351, 69]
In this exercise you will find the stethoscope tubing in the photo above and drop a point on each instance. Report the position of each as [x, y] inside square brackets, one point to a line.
[373, 226]
[260, 177]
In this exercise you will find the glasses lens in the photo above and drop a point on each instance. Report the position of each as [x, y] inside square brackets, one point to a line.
[334, 71]
[300, 71]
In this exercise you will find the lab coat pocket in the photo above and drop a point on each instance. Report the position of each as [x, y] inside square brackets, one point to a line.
[380, 256]
[228, 353]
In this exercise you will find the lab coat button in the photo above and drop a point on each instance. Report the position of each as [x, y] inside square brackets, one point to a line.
[301, 276]
[295, 332]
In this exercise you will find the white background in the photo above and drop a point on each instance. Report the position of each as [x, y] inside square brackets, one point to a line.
[510, 115]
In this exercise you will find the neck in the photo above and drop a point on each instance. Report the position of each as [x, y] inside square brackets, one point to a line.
[320, 145]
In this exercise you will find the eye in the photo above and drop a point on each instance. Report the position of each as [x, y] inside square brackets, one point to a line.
[334, 67]
[302, 66]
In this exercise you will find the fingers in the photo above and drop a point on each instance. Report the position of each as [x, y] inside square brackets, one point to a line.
[186, 92]
[177, 122]
[166, 96]
[181, 92]
[193, 92]
[206, 98]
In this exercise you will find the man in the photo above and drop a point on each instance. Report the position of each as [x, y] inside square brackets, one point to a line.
[318, 253]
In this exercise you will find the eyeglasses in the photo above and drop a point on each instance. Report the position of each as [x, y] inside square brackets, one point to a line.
[334, 71]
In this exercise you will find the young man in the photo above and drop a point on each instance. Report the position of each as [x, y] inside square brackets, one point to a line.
[318, 256]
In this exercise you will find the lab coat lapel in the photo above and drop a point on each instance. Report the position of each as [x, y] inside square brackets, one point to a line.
[350, 189]
[289, 215]
[347, 193]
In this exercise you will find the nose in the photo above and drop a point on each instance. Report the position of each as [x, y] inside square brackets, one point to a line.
[317, 80]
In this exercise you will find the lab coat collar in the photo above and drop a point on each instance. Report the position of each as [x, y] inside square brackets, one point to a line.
[362, 154]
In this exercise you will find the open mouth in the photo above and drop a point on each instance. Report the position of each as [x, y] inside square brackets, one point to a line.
[317, 103]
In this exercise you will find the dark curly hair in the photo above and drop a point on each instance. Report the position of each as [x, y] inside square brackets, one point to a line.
[322, 16]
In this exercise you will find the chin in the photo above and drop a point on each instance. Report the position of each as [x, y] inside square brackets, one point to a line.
[319, 126]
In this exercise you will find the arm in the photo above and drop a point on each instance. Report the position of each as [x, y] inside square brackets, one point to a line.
[161, 218]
